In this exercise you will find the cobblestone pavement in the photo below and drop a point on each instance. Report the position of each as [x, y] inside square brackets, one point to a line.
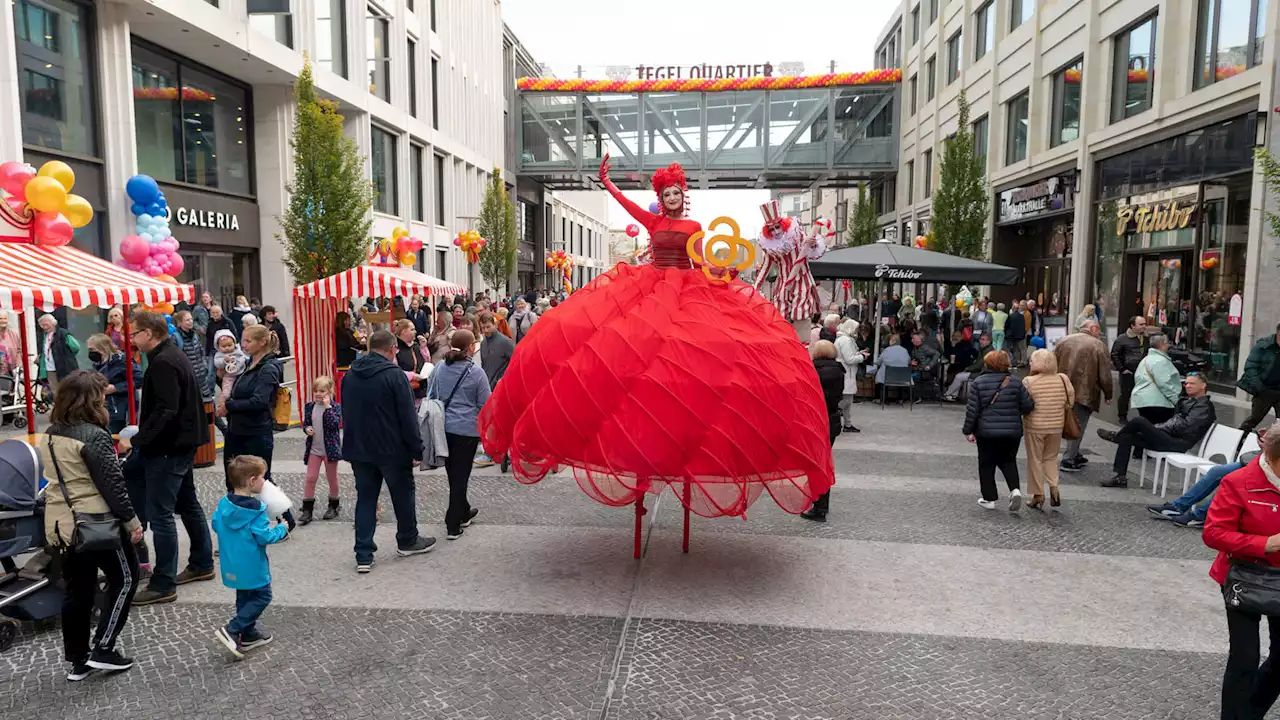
[911, 603]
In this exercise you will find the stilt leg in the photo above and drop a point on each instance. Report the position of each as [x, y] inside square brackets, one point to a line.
[640, 511]
[687, 496]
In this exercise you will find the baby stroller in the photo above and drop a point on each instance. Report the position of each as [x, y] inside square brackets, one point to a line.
[13, 399]
[28, 593]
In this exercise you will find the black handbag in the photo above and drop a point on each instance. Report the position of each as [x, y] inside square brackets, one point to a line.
[1253, 588]
[93, 531]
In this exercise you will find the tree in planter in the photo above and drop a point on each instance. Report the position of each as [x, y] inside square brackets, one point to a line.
[864, 227]
[1270, 168]
[326, 226]
[961, 203]
[497, 225]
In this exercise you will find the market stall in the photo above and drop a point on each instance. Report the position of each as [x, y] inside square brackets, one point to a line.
[316, 304]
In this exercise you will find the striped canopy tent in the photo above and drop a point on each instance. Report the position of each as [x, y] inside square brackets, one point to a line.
[316, 304]
[36, 277]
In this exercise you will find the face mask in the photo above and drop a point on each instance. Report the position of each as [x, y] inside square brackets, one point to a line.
[95, 356]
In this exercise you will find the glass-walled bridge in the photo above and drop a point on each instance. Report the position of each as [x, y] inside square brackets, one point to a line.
[777, 132]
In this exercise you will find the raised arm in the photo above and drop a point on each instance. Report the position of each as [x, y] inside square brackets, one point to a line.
[642, 216]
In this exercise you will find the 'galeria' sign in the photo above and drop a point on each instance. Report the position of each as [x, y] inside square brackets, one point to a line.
[1171, 215]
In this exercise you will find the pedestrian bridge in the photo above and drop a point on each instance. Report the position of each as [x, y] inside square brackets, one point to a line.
[775, 132]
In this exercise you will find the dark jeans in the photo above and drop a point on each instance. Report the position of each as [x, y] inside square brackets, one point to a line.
[234, 444]
[1126, 392]
[462, 452]
[171, 488]
[1141, 433]
[1263, 403]
[135, 481]
[250, 605]
[369, 479]
[1248, 690]
[997, 452]
[1156, 415]
[80, 571]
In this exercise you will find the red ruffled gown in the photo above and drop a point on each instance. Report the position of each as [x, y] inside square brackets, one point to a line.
[655, 375]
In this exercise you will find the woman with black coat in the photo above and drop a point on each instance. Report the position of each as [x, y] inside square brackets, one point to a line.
[346, 343]
[250, 408]
[993, 420]
[409, 355]
[108, 360]
[831, 376]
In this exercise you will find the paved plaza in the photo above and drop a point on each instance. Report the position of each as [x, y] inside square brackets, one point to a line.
[910, 602]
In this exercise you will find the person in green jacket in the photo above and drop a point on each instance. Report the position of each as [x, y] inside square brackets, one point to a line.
[998, 318]
[1156, 383]
[1261, 379]
[57, 350]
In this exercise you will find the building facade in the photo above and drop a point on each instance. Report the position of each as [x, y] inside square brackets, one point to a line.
[1119, 139]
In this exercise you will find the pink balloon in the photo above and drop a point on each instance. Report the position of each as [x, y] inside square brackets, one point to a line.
[14, 177]
[134, 249]
[53, 229]
[16, 204]
[176, 266]
[169, 244]
[156, 250]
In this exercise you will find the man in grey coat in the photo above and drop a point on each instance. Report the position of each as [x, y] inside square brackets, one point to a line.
[495, 355]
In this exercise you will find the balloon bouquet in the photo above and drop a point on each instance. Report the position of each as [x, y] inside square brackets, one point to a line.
[45, 198]
[152, 249]
[397, 250]
[470, 243]
[562, 262]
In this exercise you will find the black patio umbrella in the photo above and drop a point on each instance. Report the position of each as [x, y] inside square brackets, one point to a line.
[890, 262]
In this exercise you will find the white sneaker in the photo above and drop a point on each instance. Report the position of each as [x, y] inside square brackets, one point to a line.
[1015, 500]
[987, 504]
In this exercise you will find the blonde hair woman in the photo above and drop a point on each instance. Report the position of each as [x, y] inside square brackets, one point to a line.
[1042, 428]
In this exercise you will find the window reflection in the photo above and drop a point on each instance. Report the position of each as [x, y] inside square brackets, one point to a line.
[54, 80]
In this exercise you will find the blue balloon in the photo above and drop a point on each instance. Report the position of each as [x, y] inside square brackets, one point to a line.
[1037, 342]
[144, 220]
[154, 209]
[137, 208]
[142, 189]
[654, 207]
[146, 236]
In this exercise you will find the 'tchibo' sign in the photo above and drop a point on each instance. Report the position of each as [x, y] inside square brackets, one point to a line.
[1171, 215]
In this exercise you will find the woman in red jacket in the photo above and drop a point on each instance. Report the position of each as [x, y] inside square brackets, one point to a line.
[1244, 524]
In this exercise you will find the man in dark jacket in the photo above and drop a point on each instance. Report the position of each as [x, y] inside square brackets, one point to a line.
[1015, 334]
[381, 441]
[58, 350]
[1193, 416]
[1126, 353]
[495, 350]
[271, 319]
[421, 321]
[1261, 379]
[171, 425]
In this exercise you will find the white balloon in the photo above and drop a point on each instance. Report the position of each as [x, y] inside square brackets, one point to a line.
[144, 220]
[146, 236]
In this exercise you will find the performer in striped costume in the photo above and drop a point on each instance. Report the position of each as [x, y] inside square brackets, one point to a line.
[787, 251]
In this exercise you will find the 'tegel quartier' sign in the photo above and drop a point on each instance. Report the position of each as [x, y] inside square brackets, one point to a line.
[703, 71]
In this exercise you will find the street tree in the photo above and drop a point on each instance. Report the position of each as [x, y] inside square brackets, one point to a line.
[497, 225]
[865, 224]
[326, 225]
[961, 203]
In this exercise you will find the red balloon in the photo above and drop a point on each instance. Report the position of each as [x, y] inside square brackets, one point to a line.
[633, 230]
[53, 229]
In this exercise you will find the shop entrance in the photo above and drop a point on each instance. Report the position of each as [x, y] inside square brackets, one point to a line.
[1159, 285]
[224, 275]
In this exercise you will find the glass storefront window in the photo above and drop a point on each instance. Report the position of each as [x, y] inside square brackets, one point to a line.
[55, 85]
[224, 275]
[1222, 259]
[191, 126]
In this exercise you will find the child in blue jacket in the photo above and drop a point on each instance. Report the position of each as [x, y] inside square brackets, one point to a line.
[243, 536]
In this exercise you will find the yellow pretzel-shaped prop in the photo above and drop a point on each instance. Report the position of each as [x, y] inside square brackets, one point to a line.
[734, 243]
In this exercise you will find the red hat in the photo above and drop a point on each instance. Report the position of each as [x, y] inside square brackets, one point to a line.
[673, 174]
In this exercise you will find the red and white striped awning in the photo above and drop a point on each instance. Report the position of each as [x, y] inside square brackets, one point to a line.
[377, 281]
[42, 278]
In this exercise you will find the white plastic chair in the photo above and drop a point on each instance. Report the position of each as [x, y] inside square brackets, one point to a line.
[1218, 448]
[1159, 456]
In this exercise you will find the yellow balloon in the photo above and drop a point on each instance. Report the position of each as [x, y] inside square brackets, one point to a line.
[408, 258]
[46, 194]
[78, 211]
[59, 171]
[399, 232]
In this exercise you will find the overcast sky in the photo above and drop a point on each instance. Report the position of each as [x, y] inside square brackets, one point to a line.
[598, 33]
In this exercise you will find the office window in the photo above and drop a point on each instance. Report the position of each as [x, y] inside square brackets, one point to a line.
[1016, 111]
[1133, 70]
[1229, 38]
[413, 78]
[435, 89]
[382, 160]
[439, 180]
[984, 28]
[911, 181]
[276, 25]
[417, 154]
[331, 36]
[442, 264]
[930, 79]
[1065, 124]
[408, 5]
[928, 174]
[915, 25]
[200, 134]
[933, 11]
[54, 76]
[913, 90]
[955, 50]
[433, 15]
[377, 33]
[981, 133]
[1020, 11]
